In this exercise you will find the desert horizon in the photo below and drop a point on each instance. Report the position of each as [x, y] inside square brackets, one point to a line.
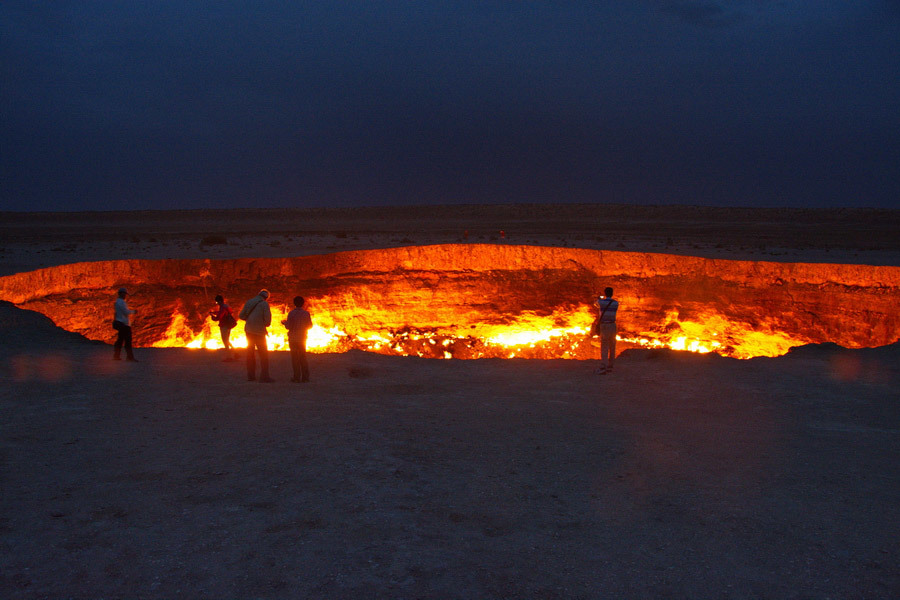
[607, 241]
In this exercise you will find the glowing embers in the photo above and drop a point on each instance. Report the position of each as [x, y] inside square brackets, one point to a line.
[558, 335]
[533, 336]
[711, 332]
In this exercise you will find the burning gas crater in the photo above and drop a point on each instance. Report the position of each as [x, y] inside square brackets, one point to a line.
[476, 301]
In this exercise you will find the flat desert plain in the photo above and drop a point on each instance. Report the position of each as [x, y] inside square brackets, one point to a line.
[679, 475]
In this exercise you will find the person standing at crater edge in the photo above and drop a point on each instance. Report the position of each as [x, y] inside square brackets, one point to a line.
[223, 315]
[122, 324]
[257, 317]
[605, 327]
[298, 324]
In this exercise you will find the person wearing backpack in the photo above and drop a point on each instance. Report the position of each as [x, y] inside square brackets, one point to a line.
[257, 317]
[223, 315]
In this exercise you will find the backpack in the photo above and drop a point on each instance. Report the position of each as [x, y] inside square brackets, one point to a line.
[227, 321]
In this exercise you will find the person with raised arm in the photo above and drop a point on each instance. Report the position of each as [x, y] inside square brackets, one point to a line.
[605, 327]
[122, 325]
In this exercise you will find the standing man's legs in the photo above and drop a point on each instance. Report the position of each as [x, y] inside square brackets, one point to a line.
[226, 341]
[120, 339]
[295, 358]
[129, 351]
[251, 356]
[304, 364]
[298, 359]
[263, 358]
[123, 338]
[607, 344]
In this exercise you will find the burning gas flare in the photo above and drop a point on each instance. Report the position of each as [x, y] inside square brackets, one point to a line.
[528, 336]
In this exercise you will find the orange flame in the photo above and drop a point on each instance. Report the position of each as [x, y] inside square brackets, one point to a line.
[558, 335]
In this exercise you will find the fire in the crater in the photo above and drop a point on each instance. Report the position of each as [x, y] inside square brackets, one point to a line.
[485, 301]
[527, 336]
[555, 336]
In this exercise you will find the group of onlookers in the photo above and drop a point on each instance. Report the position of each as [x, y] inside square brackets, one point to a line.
[257, 317]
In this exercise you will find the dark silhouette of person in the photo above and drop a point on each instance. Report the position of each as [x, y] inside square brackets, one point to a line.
[122, 325]
[257, 317]
[223, 315]
[298, 324]
[605, 327]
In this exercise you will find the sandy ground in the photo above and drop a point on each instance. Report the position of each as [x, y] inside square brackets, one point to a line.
[676, 476]
[860, 236]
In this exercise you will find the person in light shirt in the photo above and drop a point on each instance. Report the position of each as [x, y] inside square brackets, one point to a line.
[605, 327]
[122, 324]
[257, 317]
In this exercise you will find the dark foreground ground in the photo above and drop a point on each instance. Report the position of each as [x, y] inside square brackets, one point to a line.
[677, 476]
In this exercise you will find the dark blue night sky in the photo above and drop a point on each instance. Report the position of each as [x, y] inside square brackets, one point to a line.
[178, 104]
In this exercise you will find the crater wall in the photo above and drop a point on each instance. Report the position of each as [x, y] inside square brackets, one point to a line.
[460, 285]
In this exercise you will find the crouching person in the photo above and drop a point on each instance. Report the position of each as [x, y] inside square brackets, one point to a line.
[257, 317]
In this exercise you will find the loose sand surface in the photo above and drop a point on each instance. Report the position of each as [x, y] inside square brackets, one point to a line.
[677, 475]
[862, 236]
